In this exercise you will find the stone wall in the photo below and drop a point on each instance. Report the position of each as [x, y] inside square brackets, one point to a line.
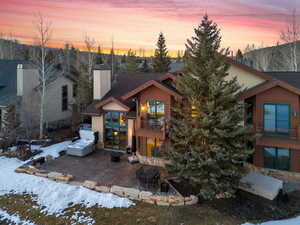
[145, 196]
[286, 176]
[131, 193]
[60, 177]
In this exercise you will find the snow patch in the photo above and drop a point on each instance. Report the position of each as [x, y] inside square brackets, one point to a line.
[55, 197]
[87, 135]
[14, 218]
[294, 221]
[82, 219]
[53, 150]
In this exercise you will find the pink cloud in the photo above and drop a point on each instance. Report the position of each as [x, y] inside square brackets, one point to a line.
[136, 23]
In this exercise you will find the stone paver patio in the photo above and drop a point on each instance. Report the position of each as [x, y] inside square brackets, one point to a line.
[97, 167]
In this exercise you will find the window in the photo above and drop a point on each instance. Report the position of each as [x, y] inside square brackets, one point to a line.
[276, 118]
[154, 147]
[115, 126]
[64, 106]
[155, 109]
[277, 158]
[194, 111]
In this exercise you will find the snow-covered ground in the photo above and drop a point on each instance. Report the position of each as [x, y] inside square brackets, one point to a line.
[13, 218]
[294, 221]
[53, 150]
[55, 197]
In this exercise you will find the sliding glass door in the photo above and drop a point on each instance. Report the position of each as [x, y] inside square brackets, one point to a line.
[277, 118]
[115, 127]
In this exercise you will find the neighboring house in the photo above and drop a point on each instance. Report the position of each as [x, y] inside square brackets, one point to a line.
[134, 110]
[20, 86]
[273, 112]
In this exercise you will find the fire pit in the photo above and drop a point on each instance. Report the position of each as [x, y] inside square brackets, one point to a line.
[115, 156]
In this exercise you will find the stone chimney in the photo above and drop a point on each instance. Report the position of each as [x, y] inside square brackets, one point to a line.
[101, 81]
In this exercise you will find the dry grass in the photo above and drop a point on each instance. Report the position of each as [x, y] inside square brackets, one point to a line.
[140, 214]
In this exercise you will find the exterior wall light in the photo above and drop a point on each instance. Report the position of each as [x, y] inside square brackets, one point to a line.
[143, 108]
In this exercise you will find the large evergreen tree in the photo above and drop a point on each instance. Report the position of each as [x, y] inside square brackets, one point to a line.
[207, 135]
[161, 61]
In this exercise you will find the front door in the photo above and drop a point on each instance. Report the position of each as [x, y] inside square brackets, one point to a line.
[115, 131]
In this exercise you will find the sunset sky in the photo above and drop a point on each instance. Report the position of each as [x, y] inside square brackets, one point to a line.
[136, 23]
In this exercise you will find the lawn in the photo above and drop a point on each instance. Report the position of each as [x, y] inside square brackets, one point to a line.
[140, 214]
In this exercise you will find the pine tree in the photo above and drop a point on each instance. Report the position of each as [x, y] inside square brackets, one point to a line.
[10, 124]
[131, 62]
[84, 88]
[10, 121]
[239, 56]
[98, 59]
[185, 57]
[178, 59]
[145, 67]
[161, 61]
[123, 59]
[206, 133]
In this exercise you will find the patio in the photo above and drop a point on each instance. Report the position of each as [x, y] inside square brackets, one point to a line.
[97, 167]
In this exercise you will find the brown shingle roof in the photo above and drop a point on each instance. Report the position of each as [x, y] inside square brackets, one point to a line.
[292, 78]
[124, 83]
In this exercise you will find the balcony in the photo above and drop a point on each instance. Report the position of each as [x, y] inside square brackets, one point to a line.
[154, 128]
[292, 133]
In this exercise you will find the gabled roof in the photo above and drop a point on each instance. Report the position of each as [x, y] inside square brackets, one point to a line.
[292, 78]
[168, 76]
[231, 61]
[268, 85]
[249, 69]
[55, 73]
[109, 100]
[150, 83]
[124, 83]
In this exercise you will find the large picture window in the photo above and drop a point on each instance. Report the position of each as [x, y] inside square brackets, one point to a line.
[115, 131]
[277, 158]
[276, 118]
[155, 109]
[64, 105]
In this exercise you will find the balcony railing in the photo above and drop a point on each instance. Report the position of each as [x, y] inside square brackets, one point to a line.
[152, 124]
[280, 132]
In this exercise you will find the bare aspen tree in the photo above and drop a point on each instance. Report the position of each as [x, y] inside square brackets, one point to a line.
[259, 58]
[291, 35]
[90, 46]
[44, 32]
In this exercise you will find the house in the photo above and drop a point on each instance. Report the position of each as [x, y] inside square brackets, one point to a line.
[20, 86]
[133, 110]
[273, 113]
